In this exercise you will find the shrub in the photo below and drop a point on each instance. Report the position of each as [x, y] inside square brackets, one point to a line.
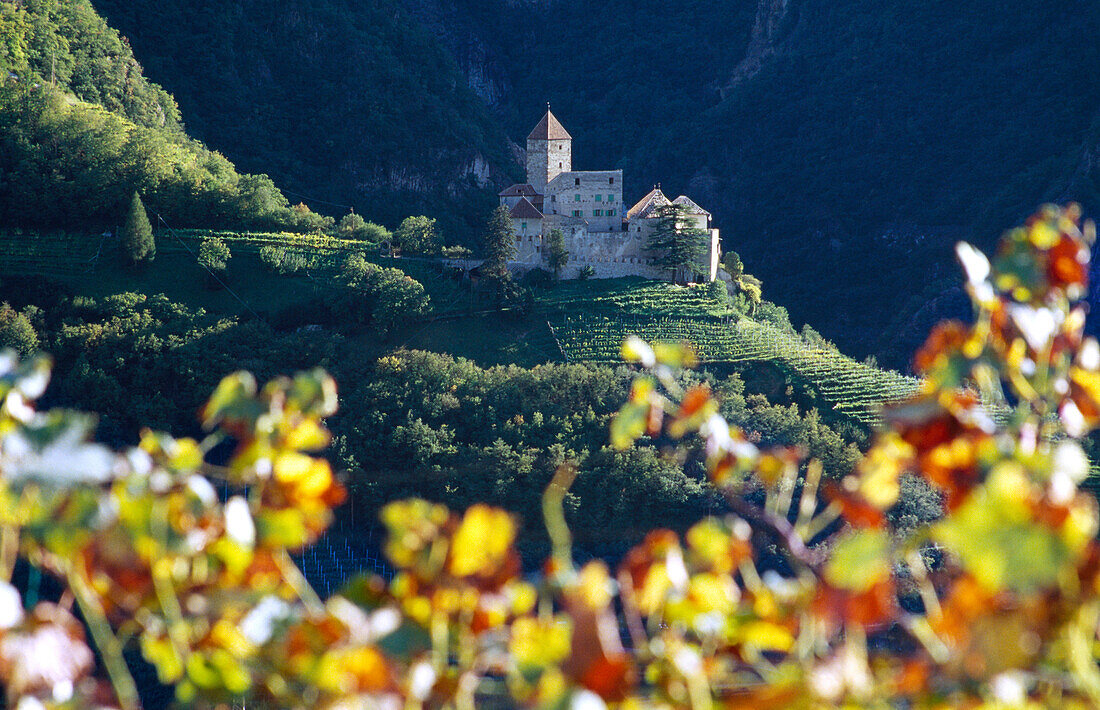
[418, 235]
[16, 331]
[214, 254]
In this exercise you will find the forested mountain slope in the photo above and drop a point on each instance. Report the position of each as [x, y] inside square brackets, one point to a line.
[82, 130]
[354, 103]
[842, 145]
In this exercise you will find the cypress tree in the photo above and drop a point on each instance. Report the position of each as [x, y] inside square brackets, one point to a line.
[500, 246]
[676, 242]
[137, 233]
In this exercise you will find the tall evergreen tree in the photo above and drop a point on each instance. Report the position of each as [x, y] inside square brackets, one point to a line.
[676, 242]
[500, 246]
[556, 254]
[137, 233]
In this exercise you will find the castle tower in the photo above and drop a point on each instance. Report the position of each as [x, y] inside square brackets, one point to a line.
[549, 152]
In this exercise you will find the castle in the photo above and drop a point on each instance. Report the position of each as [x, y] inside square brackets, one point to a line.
[587, 206]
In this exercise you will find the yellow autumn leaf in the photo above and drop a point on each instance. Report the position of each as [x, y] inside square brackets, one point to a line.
[765, 636]
[482, 541]
[880, 471]
[536, 643]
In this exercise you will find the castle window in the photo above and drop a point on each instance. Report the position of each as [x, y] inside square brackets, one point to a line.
[611, 198]
[577, 213]
[576, 198]
[523, 226]
[576, 181]
[597, 213]
[610, 181]
[599, 198]
[553, 198]
[559, 165]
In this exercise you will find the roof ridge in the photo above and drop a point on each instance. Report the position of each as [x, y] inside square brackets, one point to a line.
[549, 128]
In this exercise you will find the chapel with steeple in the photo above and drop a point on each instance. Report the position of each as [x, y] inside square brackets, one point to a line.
[601, 235]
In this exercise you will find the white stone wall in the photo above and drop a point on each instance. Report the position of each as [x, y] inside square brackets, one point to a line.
[536, 164]
[546, 160]
[609, 254]
[588, 192]
[559, 158]
[529, 241]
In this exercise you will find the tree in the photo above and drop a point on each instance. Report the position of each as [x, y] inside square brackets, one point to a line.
[418, 235]
[749, 287]
[137, 233]
[500, 247]
[352, 226]
[556, 255]
[676, 243]
[214, 255]
[381, 296]
[16, 331]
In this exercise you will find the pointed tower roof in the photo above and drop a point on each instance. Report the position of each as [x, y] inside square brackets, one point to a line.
[549, 128]
[648, 204]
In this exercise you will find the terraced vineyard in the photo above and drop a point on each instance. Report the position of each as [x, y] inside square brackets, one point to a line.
[325, 251]
[50, 253]
[853, 388]
[636, 296]
[68, 254]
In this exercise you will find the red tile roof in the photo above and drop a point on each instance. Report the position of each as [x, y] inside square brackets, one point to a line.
[518, 190]
[549, 128]
[690, 204]
[525, 210]
[648, 205]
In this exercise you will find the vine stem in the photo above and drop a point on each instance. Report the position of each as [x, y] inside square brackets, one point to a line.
[108, 644]
[778, 528]
[294, 577]
[9, 551]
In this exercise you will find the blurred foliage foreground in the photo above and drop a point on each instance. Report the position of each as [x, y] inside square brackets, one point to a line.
[806, 599]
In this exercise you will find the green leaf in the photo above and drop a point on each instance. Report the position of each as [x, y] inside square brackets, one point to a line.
[997, 541]
[859, 561]
[232, 397]
[629, 424]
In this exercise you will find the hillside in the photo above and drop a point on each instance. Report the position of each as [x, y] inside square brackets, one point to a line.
[570, 322]
[352, 103]
[864, 138]
[82, 130]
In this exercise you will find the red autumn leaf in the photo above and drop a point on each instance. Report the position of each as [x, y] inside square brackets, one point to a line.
[946, 338]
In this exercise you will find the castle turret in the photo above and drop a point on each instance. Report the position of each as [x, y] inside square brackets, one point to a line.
[549, 152]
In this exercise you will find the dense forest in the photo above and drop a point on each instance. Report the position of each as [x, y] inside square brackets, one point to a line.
[827, 133]
[351, 103]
